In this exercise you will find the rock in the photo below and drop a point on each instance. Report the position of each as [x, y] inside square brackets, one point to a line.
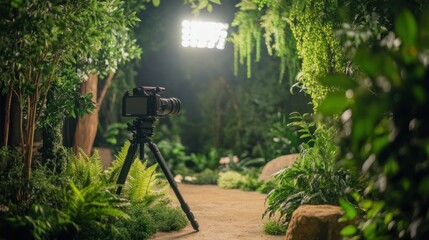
[315, 222]
[276, 165]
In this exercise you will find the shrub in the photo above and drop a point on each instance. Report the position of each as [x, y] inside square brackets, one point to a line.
[267, 186]
[384, 132]
[230, 180]
[315, 178]
[168, 218]
[140, 225]
[206, 177]
[274, 228]
[250, 183]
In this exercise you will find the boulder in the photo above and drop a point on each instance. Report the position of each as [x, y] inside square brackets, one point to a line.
[315, 222]
[276, 165]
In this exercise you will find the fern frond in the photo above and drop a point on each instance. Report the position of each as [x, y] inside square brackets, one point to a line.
[115, 168]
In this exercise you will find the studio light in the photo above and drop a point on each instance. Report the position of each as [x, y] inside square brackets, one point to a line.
[198, 34]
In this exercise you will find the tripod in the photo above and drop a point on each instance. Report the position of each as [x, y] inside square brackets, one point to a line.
[142, 129]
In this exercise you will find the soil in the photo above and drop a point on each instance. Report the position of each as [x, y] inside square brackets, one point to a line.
[221, 214]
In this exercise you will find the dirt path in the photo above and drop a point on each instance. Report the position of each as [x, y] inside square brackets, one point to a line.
[221, 214]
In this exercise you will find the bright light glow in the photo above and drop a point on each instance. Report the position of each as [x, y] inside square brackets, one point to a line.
[197, 34]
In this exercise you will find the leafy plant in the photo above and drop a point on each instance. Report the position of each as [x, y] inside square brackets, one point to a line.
[174, 154]
[230, 180]
[140, 225]
[168, 218]
[85, 170]
[78, 215]
[274, 228]
[250, 183]
[267, 186]
[315, 178]
[36, 62]
[114, 136]
[284, 139]
[205, 177]
[245, 163]
[383, 132]
[143, 184]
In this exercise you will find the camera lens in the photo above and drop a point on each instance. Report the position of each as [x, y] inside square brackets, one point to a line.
[169, 106]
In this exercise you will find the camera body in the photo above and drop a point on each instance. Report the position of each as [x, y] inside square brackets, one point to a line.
[147, 102]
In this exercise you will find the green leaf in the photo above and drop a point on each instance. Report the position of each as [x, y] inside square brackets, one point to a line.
[348, 208]
[156, 3]
[365, 204]
[216, 1]
[406, 28]
[338, 80]
[348, 230]
[209, 8]
[367, 61]
[391, 167]
[333, 104]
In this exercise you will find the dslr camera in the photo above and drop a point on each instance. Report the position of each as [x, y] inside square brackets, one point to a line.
[146, 102]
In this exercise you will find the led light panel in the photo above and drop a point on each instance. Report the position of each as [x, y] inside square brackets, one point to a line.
[198, 34]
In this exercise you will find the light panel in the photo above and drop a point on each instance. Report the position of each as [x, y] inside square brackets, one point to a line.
[199, 34]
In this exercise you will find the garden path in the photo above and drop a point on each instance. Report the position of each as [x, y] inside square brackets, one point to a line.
[222, 214]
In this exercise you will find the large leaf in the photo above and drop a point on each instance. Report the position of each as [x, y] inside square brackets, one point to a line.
[406, 28]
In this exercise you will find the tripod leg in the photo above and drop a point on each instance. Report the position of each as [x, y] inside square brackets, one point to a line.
[126, 166]
[154, 149]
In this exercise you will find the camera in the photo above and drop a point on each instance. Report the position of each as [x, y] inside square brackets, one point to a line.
[146, 102]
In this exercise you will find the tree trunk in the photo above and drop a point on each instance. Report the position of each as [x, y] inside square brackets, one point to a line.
[86, 128]
[30, 131]
[7, 108]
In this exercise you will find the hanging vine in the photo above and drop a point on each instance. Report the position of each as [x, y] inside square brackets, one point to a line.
[265, 19]
[313, 23]
[291, 30]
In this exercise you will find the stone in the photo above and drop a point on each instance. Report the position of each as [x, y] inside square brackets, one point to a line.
[276, 165]
[315, 222]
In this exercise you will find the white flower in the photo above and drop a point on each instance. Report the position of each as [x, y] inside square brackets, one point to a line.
[178, 178]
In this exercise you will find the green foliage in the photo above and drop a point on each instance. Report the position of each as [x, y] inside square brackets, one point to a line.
[200, 162]
[142, 184]
[230, 180]
[113, 136]
[250, 183]
[207, 176]
[255, 23]
[267, 186]
[85, 170]
[315, 178]
[313, 24]
[175, 155]
[383, 131]
[274, 228]
[198, 5]
[168, 218]
[245, 163]
[78, 202]
[284, 139]
[55, 44]
[140, 225]
[77, 213]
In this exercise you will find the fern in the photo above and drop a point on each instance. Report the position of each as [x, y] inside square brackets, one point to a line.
[84, 170]
[113, 171]
[91, 206]
[142, 184]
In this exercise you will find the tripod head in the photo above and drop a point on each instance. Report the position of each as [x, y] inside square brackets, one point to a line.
[142, 127]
